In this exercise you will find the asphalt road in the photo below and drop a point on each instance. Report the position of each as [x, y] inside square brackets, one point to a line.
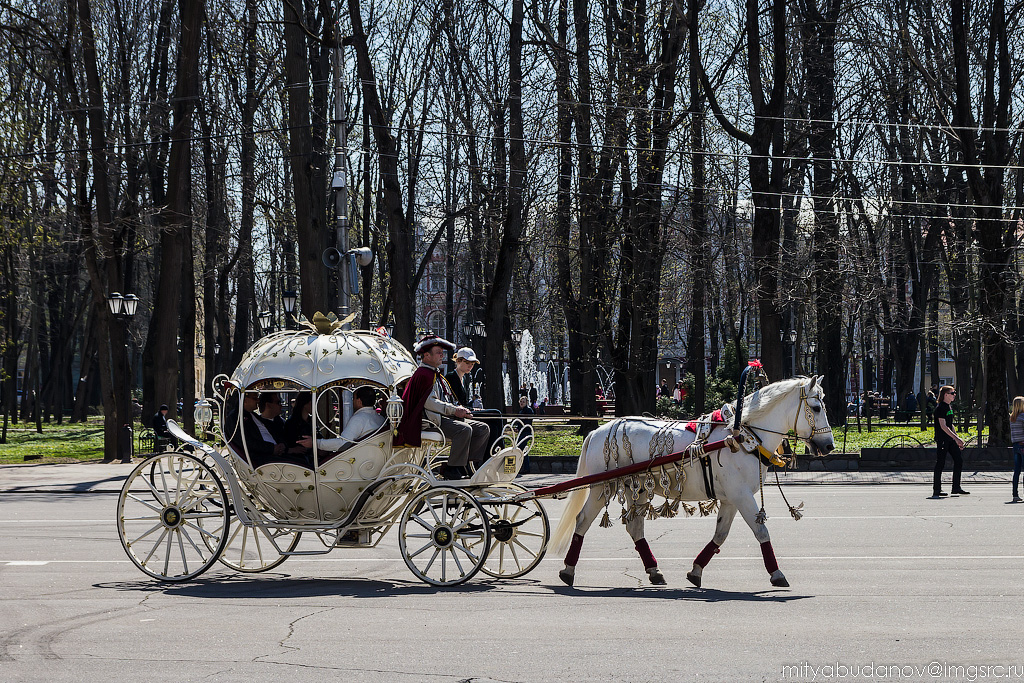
[880, 575]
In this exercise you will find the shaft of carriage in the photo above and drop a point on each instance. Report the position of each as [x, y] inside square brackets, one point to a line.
[625, 471]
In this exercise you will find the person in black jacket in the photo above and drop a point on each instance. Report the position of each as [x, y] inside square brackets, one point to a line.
[254, 441]
[946, 441]
[465, 360]
[160, 426]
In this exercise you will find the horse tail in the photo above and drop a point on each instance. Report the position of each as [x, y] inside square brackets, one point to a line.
[559, 541]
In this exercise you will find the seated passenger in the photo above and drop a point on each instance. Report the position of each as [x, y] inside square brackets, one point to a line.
[254, 439]
[270, 415]
[300, 425]
[365, 421]
[429, 396]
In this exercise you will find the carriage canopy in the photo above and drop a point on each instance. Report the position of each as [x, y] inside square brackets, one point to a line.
[305, 360]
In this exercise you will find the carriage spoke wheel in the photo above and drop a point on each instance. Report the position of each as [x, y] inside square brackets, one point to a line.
[173, 516]
[443, 536]
[252, 549]
[519, 534]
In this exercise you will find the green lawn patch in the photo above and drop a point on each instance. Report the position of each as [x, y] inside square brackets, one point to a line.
[58, 443]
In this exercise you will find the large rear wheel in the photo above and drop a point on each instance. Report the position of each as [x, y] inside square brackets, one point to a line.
[253, 549]
[443, 536]
[173, 516]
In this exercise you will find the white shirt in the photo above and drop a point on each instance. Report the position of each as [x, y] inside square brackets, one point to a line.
[363, 422]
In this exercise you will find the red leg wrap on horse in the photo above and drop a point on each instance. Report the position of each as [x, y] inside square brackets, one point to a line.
[770, 563]
[705, 555]
[645, 554]
[574, 551]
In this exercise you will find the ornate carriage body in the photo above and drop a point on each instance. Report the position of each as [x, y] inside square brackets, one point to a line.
[249, 513]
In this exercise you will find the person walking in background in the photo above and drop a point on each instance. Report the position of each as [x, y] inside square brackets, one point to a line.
[946, 441]
[1017, 437]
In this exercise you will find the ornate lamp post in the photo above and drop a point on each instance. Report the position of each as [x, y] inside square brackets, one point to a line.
[123, 309]
[264, 320]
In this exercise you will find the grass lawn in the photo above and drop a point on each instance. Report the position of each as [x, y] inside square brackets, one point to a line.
[58, 443]
[557, 441]
[73, 442]
[563, 440]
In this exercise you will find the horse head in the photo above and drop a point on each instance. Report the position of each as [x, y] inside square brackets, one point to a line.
[794, 406]
[812, 424]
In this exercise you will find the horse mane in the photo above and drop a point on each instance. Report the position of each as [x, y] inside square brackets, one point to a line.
[758, 402]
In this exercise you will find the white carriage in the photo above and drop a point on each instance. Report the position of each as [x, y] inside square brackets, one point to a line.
[182, 511]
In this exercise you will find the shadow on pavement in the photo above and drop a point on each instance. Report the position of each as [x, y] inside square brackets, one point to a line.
[276, 586]
[691, 594]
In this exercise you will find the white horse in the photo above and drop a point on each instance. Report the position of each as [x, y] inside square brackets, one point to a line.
[793, 406]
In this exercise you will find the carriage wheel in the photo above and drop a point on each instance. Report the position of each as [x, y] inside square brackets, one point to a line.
[519, 534]
[174, 525]
[252, 549]
[443, 536]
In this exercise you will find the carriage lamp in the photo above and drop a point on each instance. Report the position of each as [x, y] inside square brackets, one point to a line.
[517, 336]
[216, 349]
[394, 409]
[204, 414]
[199, 349]
[264, 319]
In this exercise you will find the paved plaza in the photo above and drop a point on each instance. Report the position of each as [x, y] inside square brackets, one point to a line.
[881, 576]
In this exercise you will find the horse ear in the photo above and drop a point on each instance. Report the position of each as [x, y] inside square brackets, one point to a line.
[814, 380]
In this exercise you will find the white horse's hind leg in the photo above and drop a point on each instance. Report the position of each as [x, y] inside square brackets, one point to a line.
[584, 519]
[726, 514]
[748, 508]
[635, 527]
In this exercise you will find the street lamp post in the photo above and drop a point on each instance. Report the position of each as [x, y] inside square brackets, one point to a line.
[788, 340]
[264, 320]
[289, 297]
[123, 309]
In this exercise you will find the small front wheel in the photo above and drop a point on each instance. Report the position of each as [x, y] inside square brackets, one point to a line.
[444, 536]
[519, 533]
[173, 516]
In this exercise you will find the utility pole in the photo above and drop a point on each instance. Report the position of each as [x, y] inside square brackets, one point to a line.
[340, 182]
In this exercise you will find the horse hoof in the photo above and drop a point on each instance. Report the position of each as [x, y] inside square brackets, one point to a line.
[656, 577]
[780, 582]
[693, 578]
[566, 577]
